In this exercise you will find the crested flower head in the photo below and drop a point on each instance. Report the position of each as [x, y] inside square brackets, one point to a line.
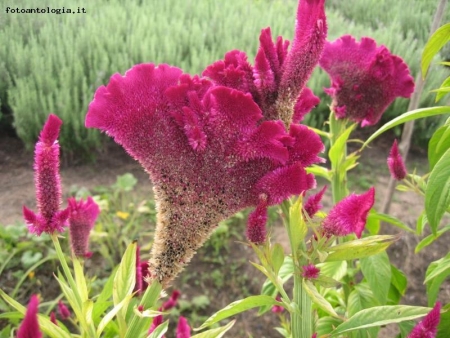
[310, 271]
[30, 325]
[47, 182]
[183, 328]
[277, 79]
[83, 215]
[349, 215]
[365, 79]
[207, 149]
[395, 163]
[427, 328]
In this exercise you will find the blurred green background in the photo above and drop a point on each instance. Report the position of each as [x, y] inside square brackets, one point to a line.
[54, 63]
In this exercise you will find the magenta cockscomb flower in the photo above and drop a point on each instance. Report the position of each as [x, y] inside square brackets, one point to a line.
[277, 79]
[207, 149]
[83, 215]
[427, 328]
[30, 325]
[365, 79]
[313, 205]
[48, 182]
[395, 163]
[349, 215]
[310, 271]
[183, 328]
[63, 310]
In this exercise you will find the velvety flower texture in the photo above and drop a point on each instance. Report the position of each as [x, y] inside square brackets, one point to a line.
[395, 163]
[313, 205]
[277, 79]
[48, 182]
[365, 78]
[427, 328]
[63, 310]
[349, 215]
[83, 215]
[30, 325]
[183, 328]
[310, 271]
[208, 152]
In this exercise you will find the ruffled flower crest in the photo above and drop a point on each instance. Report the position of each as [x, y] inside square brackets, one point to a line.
[365, 79]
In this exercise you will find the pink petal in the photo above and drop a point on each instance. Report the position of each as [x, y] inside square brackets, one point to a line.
[427, 328]
[305, 103]
[349, 215]
[312, 205]
[256, 225]
[30, 325]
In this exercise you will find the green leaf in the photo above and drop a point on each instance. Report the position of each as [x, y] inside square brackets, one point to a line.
[440, 266]
[277, 257]
[336, 270]
[380, 315]
[438, 145]
[318, 299]
[319, 171]
[125, 182]
[80, 280]
[444, 89]
[110, 315]
[238, 307]
[444, 325]
[327, 324]
[439, 38]
[126, 275]
[359, 299]
[439, 275]
[408, 116]
[103, 300]
[421, 222]
[430, 239]
[45, 324]
[377, 271]
[437, 194]
[389, 219]
[215, 333]
[337, 150]
[160, 330]
[398, 280]
[297, 227]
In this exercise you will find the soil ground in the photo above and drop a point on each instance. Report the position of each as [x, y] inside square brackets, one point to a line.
[17, 189]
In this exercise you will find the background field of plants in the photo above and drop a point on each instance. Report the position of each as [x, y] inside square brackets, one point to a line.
[54, 63]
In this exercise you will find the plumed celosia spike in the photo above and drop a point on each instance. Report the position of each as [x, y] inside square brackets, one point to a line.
[183, 328]
[395, 163]
[81, 221]
[305, 103]
[63, 310]
[47, 182]
[313, 205]
[53, 318]
[365, 78]
[427, 328]
[157, 321]
[277, 308]
[172, 301]
[349, 215]
[256, 225]
[309, 39]
[198, 185]
[310, 271]
[30, 325]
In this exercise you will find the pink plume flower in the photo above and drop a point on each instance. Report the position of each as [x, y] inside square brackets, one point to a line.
[313, 205]
[47, 182]
[157, 321]
[349, 215]
[395, 163]
[63, 310]
[208, 152]
[141, 273]
[277, 79]
[183, 328]
[277, 308]
[30, 325]
[83, 215]
[427, 328]
[171, 302]
[310, 271]
[53, 318]
[365, 79]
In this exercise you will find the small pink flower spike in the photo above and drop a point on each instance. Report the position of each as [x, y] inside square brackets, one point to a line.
[183, 328]
[310, 271]
[63, 310]
[277, 308]
[365, 79]
[349, 215]
[314, 335]
[48, 182]
[427, 328]
[30, 325]
[307, 46]
[157, 321]
[83, 215]
[53, 318]
[395, 163]
[313, 205]
[256, 225]
[172, 302]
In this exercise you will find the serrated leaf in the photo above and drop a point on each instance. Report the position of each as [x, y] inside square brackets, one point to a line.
[380, 315]
[438, 145]
[215, 333]
[238, 307]
[430, 239]
[408, 116]
[160, 330]
[126, 275]
[439, 38]
[377, 271]
[437, 194]
[277, 257]
[318, 299]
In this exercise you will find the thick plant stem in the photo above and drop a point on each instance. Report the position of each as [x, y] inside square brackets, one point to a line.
[302, 317]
